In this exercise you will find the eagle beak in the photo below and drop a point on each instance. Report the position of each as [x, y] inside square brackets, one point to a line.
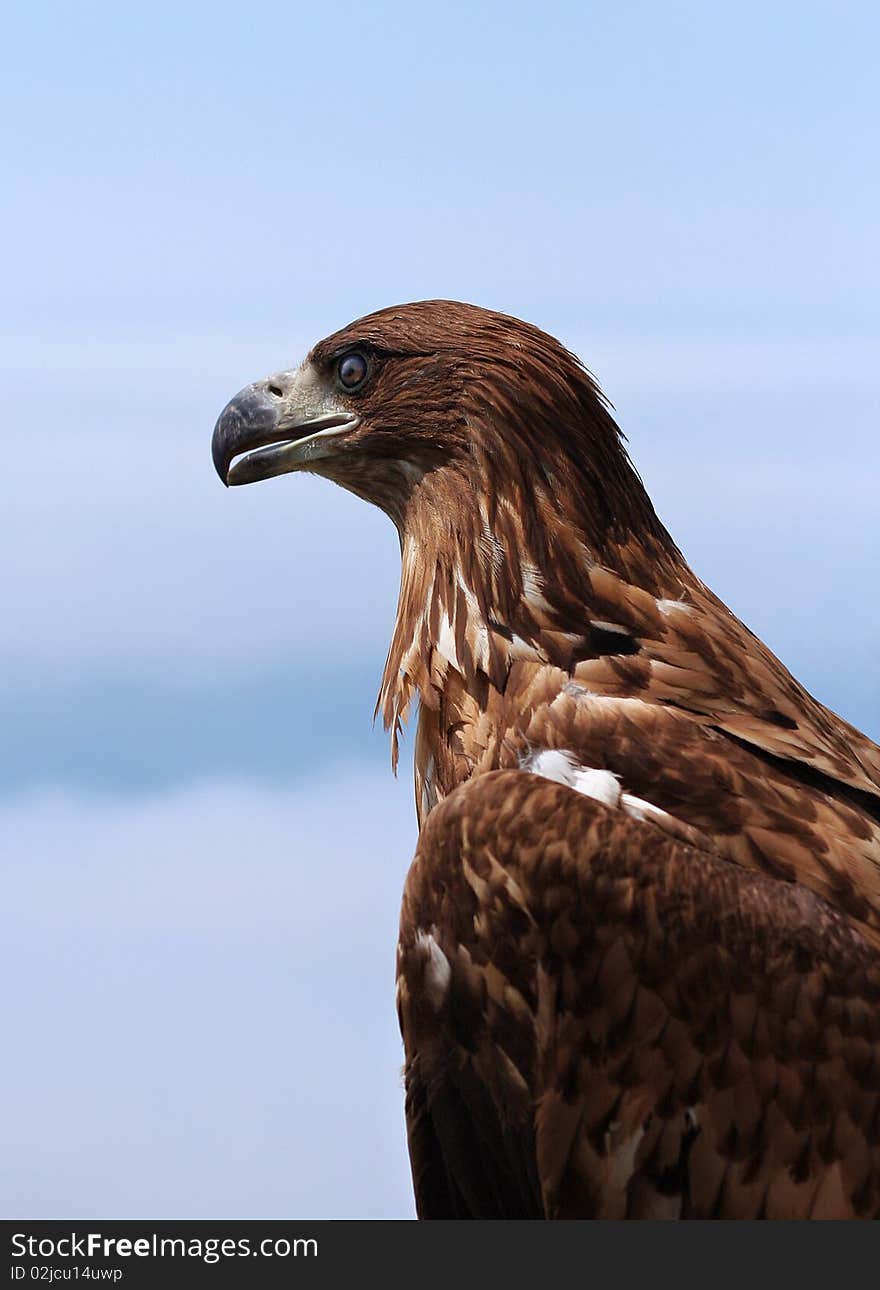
[275, 426]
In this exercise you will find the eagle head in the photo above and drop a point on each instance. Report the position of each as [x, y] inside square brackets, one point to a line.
[445, 402]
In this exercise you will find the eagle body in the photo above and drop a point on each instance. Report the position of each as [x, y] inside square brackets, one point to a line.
[639, 956]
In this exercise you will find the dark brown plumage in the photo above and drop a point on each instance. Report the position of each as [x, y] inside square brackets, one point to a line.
[638, 964]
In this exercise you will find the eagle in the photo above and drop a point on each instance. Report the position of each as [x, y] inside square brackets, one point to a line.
[638, 970]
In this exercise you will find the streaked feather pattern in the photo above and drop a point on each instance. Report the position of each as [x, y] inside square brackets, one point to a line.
[659, 1004]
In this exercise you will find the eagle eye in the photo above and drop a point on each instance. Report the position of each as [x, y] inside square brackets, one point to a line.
[352, 370]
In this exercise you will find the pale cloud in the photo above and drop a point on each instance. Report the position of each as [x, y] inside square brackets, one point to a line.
[198, 982]
[200, 1001]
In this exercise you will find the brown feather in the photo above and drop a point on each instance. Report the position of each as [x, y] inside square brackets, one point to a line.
[695, 1032]
[666, 1007]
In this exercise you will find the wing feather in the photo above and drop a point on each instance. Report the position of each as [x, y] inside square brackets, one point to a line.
[653, 1029]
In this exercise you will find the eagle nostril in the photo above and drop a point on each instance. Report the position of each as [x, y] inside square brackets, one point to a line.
[275, 390]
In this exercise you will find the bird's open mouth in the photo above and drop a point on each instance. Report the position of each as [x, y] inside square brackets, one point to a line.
[256, 437]
[278, 458]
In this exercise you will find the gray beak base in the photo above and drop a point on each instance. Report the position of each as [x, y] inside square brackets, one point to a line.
[276, 439]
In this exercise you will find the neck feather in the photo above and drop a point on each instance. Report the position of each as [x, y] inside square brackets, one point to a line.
[489, 577]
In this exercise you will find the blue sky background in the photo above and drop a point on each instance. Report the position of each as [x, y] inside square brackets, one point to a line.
[201, 845]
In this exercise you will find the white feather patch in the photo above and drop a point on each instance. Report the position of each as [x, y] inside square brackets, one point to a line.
[438, 973]
[602, 785]
[477, 629]
[604, 626]
[446, 641]
[553, 763]
[639, 809]
[671, 606]
[533, 588]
